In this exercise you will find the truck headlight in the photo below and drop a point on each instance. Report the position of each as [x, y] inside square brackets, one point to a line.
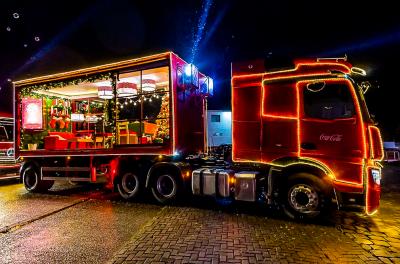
[376, 176]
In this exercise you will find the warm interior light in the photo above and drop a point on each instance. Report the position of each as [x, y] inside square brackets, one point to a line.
[105, 92]
[32, 117]
[148, 85]
[126, 89]
[77, 117]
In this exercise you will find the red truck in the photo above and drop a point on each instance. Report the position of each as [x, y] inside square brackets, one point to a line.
[302, 138]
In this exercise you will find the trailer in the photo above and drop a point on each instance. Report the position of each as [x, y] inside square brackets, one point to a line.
[302, 138]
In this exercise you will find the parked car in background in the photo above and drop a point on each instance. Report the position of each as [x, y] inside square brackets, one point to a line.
[8, 165]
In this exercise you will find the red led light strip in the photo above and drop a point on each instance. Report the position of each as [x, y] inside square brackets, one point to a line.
[372, 142]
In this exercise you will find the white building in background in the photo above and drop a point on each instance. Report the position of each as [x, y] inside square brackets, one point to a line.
[219, 127]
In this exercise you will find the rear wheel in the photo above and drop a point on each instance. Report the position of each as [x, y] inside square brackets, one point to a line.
[165, 188]
[32, 181]
[306, 197]
[128, 185]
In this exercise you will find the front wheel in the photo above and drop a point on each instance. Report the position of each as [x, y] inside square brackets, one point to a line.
[165, 188]
[32, 181]
[306, 197]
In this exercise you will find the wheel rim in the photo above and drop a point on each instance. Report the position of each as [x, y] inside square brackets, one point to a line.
[30, 178]
[166, 186]
[303, 198]
[129, 183]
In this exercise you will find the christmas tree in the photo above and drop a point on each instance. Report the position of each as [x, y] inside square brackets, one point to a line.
[163, 119]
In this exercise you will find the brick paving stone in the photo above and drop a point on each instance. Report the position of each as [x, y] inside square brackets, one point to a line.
[395, 260]
[190, 235]
[383, 228]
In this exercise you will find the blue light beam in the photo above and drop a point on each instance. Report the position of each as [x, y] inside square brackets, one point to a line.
[389, 38]
[200, 28]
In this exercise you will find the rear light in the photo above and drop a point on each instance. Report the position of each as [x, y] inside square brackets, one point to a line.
[376, 176]
[376, 144]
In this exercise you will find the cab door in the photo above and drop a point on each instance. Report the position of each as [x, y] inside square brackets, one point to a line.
[331, 129]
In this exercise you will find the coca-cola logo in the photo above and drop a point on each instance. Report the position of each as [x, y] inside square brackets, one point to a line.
[332, 138]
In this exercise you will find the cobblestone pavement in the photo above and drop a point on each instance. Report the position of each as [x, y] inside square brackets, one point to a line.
[102, 227]
[378, 235]
[190, 235]
[193, 235]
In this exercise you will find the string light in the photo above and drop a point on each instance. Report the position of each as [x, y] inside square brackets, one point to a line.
[376, 143]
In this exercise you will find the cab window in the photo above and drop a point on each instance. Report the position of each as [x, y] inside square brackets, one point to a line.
[328, 101]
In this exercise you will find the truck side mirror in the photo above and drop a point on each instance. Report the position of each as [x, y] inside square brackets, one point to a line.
[364, 86]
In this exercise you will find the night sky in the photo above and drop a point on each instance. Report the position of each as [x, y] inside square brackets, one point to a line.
[39, 37]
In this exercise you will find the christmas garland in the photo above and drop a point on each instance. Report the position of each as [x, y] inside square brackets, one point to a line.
[29, 90]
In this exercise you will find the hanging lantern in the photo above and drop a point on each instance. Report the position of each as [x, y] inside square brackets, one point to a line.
[105, 92]
[148, 85]
[126, 89]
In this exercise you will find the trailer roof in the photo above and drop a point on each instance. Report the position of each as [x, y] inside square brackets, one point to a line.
[95, 69]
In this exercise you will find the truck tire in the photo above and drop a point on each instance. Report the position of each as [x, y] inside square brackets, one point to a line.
[32, 181]
[306, 197]
[165, 188]
[128, 185]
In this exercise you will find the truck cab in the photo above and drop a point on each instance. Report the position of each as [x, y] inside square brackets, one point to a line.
[311, 124]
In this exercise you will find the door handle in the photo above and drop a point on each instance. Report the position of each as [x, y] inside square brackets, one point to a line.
[308, 145]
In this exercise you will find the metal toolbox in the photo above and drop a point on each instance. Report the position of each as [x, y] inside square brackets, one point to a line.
[245, 186]
[223, 183]
[196, 182]
[209, 182]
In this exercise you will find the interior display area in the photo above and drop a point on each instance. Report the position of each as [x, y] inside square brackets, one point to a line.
[130, 108]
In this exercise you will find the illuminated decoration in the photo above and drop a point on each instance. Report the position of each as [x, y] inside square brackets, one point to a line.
[174, 125]
[210, 82]
[105, 92]
[376, 141]
[91, 119]
[206, 86]
[358, 71]
[188, 69]
[32, 113]
[31, 87]
[148, 85]
[126, 89]
[77, 117]
[191, 75]
[179, 77]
